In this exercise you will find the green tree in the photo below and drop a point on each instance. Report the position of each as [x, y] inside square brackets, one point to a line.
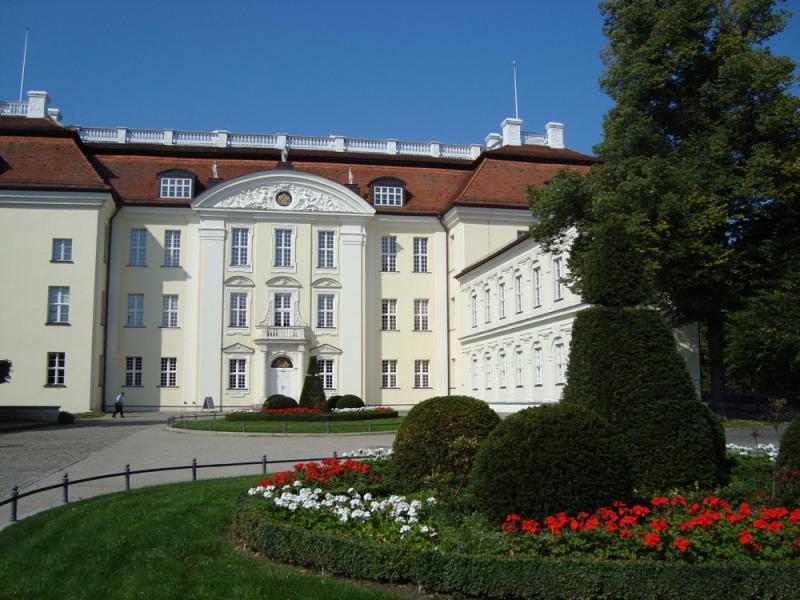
[700, 165]
[313, 395]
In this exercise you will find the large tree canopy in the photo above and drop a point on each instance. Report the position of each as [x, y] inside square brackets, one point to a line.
[701, 169]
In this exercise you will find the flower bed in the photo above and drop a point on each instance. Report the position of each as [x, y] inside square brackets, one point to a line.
[312, 414]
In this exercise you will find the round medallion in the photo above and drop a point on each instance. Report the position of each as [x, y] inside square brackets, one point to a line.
[283, 198]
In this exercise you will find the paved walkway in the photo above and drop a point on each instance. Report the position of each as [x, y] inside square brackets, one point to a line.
[39, 457]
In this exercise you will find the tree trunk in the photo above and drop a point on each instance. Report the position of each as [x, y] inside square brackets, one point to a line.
[716, 354]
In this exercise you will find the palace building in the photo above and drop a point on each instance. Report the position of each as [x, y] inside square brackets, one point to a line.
[182, 265]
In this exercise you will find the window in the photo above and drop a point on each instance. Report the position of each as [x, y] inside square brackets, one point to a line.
[325, 311]
[474, 372]
[503, 370]
[520, 365]
[169, 372]
[133, 371]
[501, 292]
[420, 315]
[325, 372]
[237, 374]
[537, 287]
[561, 366]
[558, 286]
[62, 250]
[283, 247]
[487, 365]
[135, 310]
[388, 253]
[538, 366]
[169, 310]
[389, 373]
[238, 310]
[240, 247]
[420, 255]
[421, 373]
[283, 310]
[474, 310]
[172, 248]
[56, 367]
[518, 293]
[387, 195]
[325, 240]
[138, 251]
[57, 304]
[487, 305]
[176, 187]
[388, 315]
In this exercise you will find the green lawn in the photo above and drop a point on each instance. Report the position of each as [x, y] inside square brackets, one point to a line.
[292, 426]
[158, 542]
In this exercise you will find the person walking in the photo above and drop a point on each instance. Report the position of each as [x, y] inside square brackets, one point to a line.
[118, 405]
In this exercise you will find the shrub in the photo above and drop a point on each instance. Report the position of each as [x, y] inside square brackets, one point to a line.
[624, 365]
[313, 395]
[789, 455]
[332, 403]
[65, 418]
[279, 401]
[350, 401]
[545, 460]
[439, 438]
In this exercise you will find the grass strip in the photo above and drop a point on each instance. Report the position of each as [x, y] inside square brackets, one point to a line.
[377, 425]
[156, 542]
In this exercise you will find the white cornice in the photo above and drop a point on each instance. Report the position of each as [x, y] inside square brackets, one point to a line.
[39, 199]
[495, 215]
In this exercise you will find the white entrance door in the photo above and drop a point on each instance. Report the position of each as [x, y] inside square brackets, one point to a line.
[282, 382]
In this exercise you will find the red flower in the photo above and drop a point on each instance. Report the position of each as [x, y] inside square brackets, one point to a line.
[796, 543]
[658, 524]
[681, 543]
[658, 501]
[795, 516]
[676, 500]
[625, 533]
[651, 540]
[745, 537]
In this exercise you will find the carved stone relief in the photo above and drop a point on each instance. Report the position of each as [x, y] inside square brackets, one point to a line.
[303, 199]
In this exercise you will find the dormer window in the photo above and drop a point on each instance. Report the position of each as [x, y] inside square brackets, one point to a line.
[388, 192]
[175, 184]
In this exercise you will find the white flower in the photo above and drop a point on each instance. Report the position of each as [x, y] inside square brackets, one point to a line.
[424, 529]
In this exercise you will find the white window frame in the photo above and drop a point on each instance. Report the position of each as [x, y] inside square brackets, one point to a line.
[474, 372]
[518, 292]
[474, 310]
[537, 286]
[169, 310]
[238, 309]
[169, 372]
[487, 366]
[240, 249]
[538, 366]
[422, 369]
[389, 374]
[519, 377]
[172, 248]
[137, 255]
[283, 248]
[326, 370]
[421, 314]
[389, 254]
[135, 310]
[326, 249]
[388, 314]
[175, 187]
[58, 297]
[501, 293]
[56, 369]
[282, 315]
[560, 363]
[326, 315]
[133, 371]
[388, 195]
[503, 366]
[558, 286]
[62, 250]
[238, 372]
[420, 255]
[487, 305]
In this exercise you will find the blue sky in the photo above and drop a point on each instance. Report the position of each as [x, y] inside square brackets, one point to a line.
[407, 70]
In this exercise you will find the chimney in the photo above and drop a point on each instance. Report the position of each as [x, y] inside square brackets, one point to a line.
[37, 105]
[555, 135]
[512, 131]
[493, 140]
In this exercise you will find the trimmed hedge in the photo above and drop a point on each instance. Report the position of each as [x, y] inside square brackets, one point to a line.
[440, 437]
[65, 418]
[541, 461]
[789, 455]
[279, 401]
[625, 366]
[359, 416]
[331, 403]
[312, 395]
[507, 578]
[350, 401]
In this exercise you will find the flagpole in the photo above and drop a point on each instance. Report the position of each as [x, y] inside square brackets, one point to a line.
[516, 103]
[24, 60]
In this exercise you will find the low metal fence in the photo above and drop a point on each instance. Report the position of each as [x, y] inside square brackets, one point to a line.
[280, 426]
[65, 483]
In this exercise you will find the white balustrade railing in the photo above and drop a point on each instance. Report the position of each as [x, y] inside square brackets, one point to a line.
[13, 109]
[455, 151]
[301, 142]
[193, 138]
[283, 333]
[145, 136]
[534, 138]
[361, 145]
[97, 134]
[413, 148]
[253, 140]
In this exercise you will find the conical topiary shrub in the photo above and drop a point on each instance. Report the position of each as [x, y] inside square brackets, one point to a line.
[313, 395]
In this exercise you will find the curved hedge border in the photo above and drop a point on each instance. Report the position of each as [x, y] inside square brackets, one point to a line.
[353, 416]
[496, 577]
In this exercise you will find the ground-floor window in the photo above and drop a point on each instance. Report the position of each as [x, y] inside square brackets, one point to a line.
[237, 374]
[169, 372]
[325, 372]
[389, 374]
[56, 368]
[133, 371]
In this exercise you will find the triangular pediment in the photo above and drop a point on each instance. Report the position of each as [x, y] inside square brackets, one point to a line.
[283, 190]
[238, 349]
[326, 349]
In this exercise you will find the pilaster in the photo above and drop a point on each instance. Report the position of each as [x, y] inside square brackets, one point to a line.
[351, 367]
[212, 251]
